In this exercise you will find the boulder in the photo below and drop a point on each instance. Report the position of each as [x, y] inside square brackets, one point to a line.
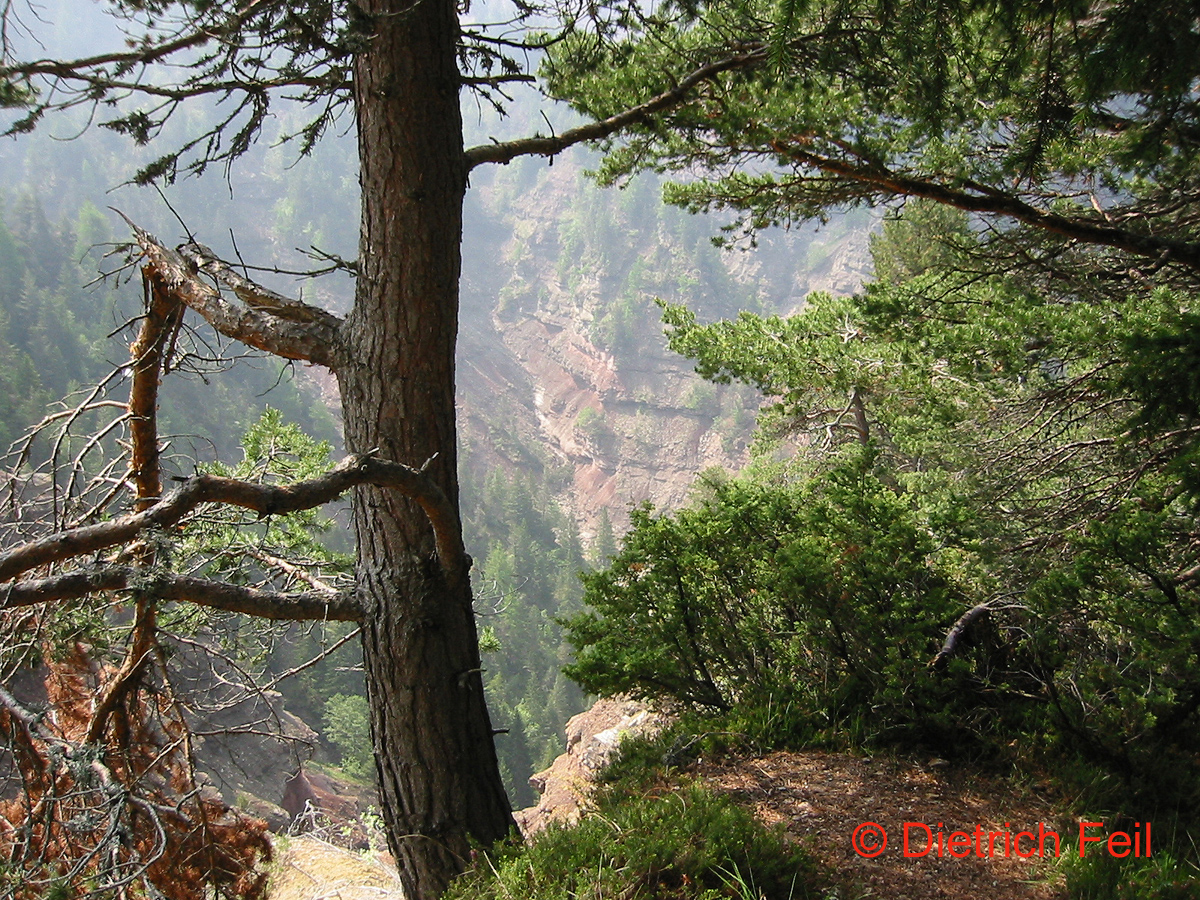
[318, 801]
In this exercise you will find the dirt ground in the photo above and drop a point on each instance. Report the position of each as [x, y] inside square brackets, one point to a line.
[821, 798]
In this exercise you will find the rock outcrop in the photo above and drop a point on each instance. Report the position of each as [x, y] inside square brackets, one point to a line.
[317, 800]
[593, 737]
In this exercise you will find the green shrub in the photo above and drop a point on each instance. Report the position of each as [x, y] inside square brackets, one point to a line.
[1099, 876]
[814, 607]
[682, 843]
[590, 423]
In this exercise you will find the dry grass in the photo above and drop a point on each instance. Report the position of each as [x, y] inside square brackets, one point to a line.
[311, 869]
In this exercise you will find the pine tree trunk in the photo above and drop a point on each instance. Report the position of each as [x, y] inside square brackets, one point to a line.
[439, 778]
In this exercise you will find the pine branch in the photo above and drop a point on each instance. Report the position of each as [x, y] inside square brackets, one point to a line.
[990, 201]
[507, 151]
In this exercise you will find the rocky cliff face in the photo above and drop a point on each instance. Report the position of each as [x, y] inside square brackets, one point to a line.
[563, 361]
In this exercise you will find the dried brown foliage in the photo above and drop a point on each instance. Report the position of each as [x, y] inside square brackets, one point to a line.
[125, 812]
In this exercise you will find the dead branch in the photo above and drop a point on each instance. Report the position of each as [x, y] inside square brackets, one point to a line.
[307, 605]
[261, 498]
[100, 818]
[254, 295]
[291, 570]
[163, 313]
[325, 652]
[264, 320]
[89, 403]
[150, 351]
[958, 632]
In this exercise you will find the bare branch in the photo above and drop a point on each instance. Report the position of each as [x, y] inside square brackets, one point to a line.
[289, 569]
[551, 146]
[322, 605]
[149, 352]
[252, 294]
[493, 80]
[116, 813]
[264, 499]
[958, 632]
[324, 654]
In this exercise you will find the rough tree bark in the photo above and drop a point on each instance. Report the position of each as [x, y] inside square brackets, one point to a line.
[438, 773]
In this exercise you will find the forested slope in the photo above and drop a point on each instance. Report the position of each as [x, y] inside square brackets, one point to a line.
[572, 408]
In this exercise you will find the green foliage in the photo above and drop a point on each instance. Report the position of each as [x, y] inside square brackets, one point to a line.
[987, 99]
[622, 326]
[590, 423]
[274, 451]
[816, 602]
[296, 645]
[287, 552]
[680, 843]
[488, 641]
[1023, 450]
[54, 340]
[927, 237]
[1166, 371]
[604, 547]
[347, 726]
[1163, 375]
